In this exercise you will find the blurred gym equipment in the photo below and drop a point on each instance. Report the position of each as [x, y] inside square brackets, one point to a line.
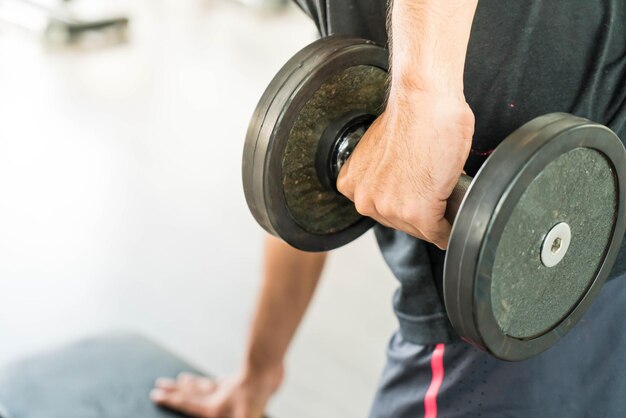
[106, 376]
[60, 24]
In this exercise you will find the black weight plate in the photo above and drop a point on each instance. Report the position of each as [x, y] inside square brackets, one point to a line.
[498, 294]
[252, 182]
[319, 84]
[578, 189]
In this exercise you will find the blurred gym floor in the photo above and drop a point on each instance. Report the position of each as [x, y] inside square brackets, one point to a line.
[121, 205]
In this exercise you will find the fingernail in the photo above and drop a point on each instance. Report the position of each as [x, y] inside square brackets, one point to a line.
[157, 395]
[164, 382]
[184, 376]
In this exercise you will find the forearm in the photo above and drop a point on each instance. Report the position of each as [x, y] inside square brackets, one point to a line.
[289, 281]
[406, 165]
[429, 43]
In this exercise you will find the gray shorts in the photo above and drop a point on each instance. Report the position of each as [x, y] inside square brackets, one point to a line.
[584, 375]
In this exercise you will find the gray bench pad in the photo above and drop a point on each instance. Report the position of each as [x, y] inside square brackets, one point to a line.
[104, 377]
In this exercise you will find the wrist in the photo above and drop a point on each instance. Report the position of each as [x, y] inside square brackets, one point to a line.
[411, 97]
[405, 105]
[407, 81]
[266, 379]
[255, 369]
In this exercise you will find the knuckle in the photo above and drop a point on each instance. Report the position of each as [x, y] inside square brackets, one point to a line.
[364, 205]
[412, 215]
[386, 208]
[184, 377]
[342, 182]
[344, 185]
[175, 399]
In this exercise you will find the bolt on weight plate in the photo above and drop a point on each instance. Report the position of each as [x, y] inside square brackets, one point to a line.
[556, 243]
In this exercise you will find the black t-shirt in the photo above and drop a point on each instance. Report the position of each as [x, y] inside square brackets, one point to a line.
[525, 59]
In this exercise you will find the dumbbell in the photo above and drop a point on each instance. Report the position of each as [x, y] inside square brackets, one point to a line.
[534, 234]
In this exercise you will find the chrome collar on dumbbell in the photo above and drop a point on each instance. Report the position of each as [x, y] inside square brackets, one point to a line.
[337, 143]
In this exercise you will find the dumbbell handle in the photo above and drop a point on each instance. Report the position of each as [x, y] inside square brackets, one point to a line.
[455, 199]
[347, 142]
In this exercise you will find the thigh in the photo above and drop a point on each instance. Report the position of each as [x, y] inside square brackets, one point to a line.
[405, 380]
[583, 375]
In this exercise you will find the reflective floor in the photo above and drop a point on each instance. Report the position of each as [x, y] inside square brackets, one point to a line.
[121, 204]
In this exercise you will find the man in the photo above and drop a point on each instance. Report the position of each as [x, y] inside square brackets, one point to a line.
[464, 75]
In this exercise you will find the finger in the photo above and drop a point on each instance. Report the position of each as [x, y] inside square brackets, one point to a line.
[439, 233]
[370, 211]
[165, 383]
[392, 220]
[407, 228]
[180, 402]
[345, 185]
[184, 381]
[158, 395]
[384, 222]
[184, 378]
[196, 384]
[206, 385]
